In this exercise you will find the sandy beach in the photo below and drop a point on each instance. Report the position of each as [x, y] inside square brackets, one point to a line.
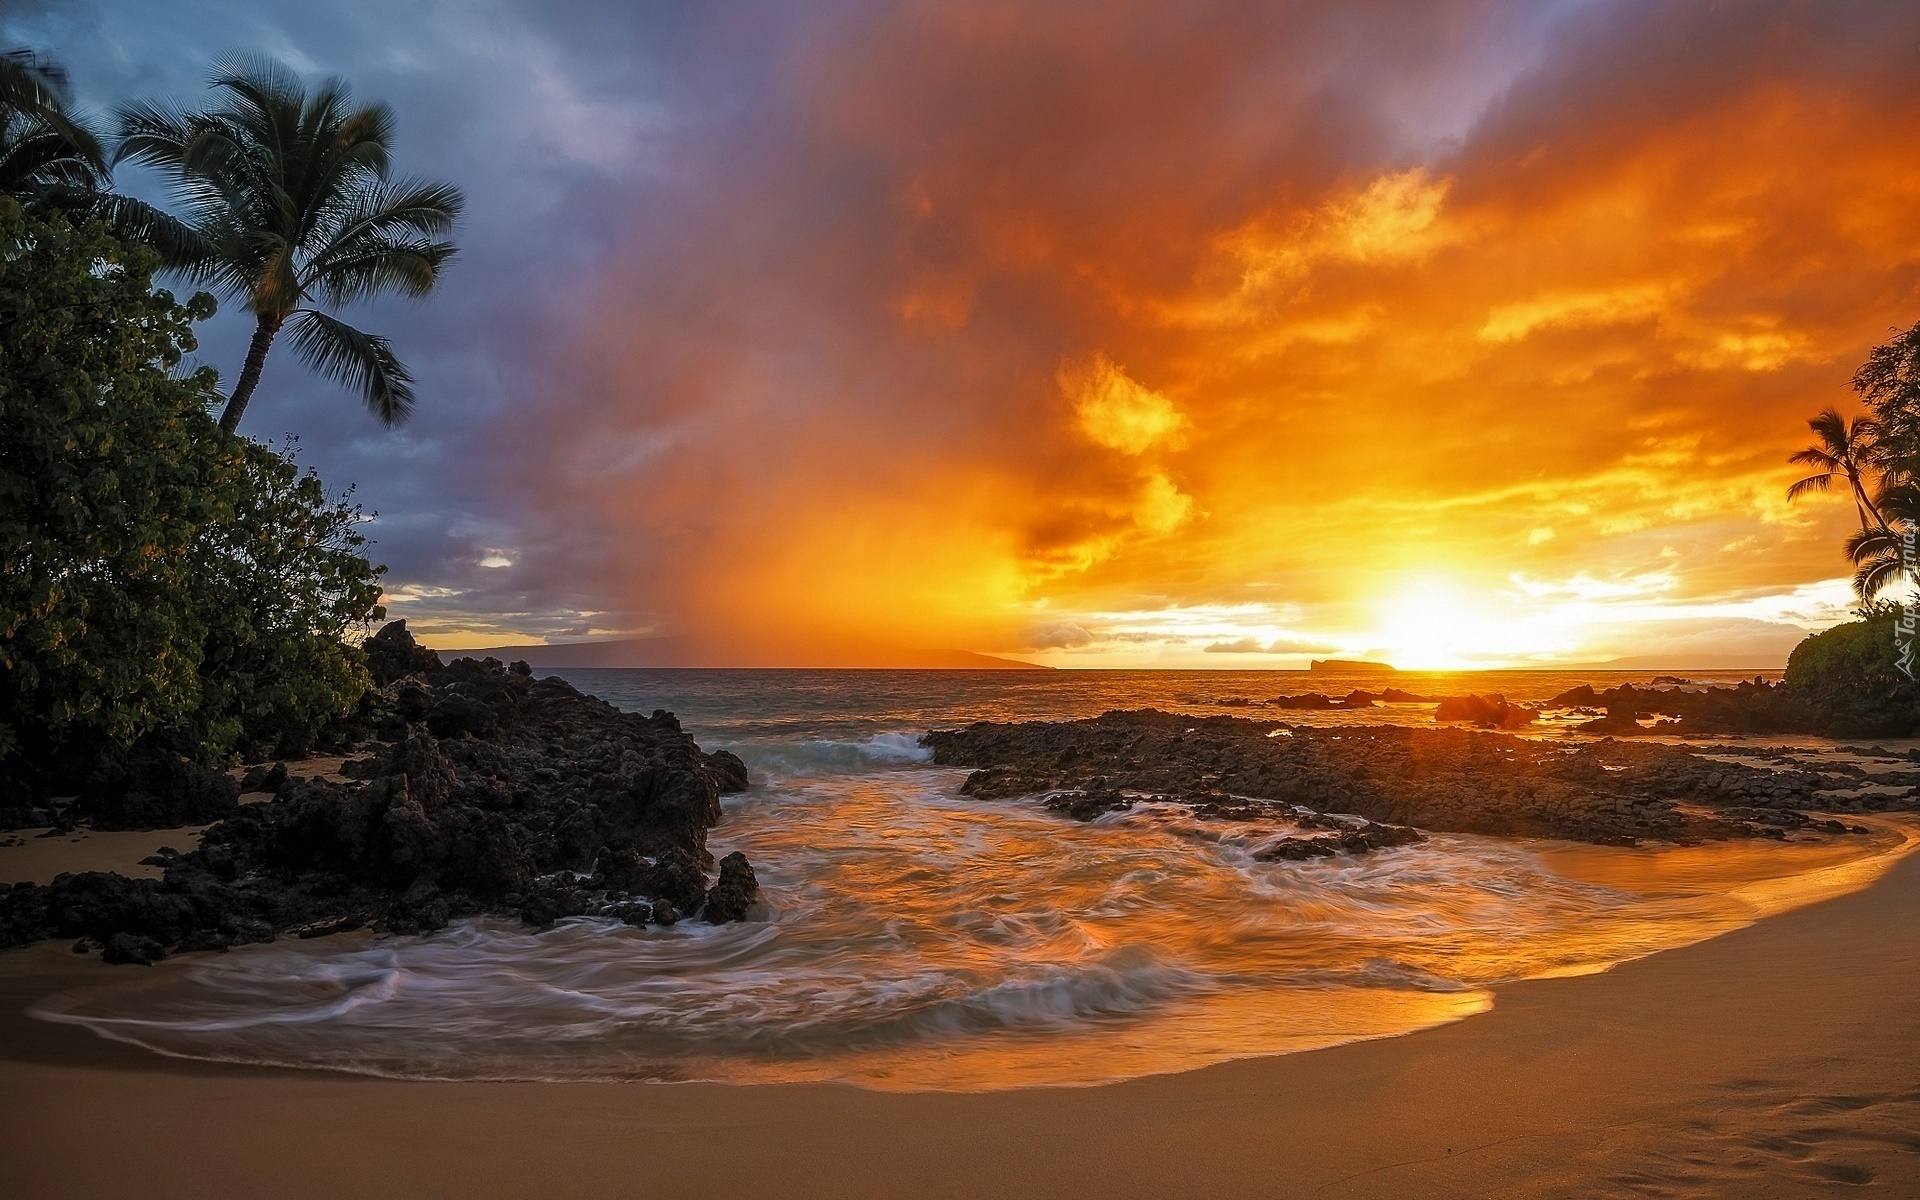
[1777, 1060]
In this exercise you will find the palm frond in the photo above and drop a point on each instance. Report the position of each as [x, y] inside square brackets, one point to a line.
[411, 268]
[180, 246]
[364, 362]
[38, 157]
[38, 89]
[30, 81]
[283, 200]
[153, 133]
[1877, 575]
[1813, 483]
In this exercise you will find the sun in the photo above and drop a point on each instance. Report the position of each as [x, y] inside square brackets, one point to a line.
[1439, 625]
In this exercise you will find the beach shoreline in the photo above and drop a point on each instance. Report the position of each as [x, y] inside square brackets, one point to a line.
[1775, 1060]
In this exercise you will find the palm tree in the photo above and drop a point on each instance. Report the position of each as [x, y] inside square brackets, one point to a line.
[49, 158]
[1880, 554]
[1844, 452]
[286, 199]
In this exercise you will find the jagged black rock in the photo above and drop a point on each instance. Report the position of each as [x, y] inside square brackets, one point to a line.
[492, 793]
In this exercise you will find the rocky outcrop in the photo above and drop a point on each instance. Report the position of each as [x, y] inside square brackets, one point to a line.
[1858, 678]
[1831, 704]
[491, 792]
[1342, 835]
[1441, 780]
[1752, 706]
[1488, 712]
[392, 654]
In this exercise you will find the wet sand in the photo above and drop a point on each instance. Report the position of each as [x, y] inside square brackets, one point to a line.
[31, 856]
[1782, 1059]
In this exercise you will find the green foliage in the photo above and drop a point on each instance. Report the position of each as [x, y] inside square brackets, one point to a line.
[1859, 655]
[280, 585]
[107, 473]
[1889, 383]
[155, 574]
[1851, 674]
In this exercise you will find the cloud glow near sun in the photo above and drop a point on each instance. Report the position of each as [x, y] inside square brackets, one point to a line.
[1438, 355]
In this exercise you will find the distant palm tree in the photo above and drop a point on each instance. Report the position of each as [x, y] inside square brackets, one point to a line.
[1845, 451]
[1879, 552]
[286, 200]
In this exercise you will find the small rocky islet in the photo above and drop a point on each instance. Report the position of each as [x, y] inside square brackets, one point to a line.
[483, 792]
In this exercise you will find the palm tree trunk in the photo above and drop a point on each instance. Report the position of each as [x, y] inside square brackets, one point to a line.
[250, 373]
[1861, 497]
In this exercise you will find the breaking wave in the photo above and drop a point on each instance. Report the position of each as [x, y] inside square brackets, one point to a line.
[916, 939]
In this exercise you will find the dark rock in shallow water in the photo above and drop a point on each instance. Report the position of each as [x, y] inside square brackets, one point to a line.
[1085, 806]
[330, 926]
[1752, 706]
[1489, 712]
[677, 879]
[621, 870]
[1311, 701]
[505, 818]
[734, 893]
[1360, 840]
[1004, 783]
[132, 948]
[1448, 780]
[728, 772]
[1624, 720]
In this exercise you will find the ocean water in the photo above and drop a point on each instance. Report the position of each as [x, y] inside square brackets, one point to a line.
[913, 939]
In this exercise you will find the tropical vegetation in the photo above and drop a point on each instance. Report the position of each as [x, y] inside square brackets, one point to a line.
[1876, 457]
[1859, 676]
[157, 578]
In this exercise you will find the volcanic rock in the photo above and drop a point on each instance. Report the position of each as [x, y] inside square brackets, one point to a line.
[734, 892]
[1445, 780]
[1360, 840]
[1085, 806]
[393, 654]
[532, 786]
[1489, 712]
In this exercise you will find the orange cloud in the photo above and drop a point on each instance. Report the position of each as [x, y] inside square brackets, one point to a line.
[1012, 329]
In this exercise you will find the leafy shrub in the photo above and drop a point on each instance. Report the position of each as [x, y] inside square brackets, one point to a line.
[1851, 675]
[107, 475]
[280, 584]
[156, 575]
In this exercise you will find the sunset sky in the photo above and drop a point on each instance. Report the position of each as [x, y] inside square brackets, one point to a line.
[1128, 334]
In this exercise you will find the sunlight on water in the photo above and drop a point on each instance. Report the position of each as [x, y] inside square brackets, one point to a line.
[913, 939]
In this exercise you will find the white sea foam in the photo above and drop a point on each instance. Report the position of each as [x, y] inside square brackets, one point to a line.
[822, 756]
